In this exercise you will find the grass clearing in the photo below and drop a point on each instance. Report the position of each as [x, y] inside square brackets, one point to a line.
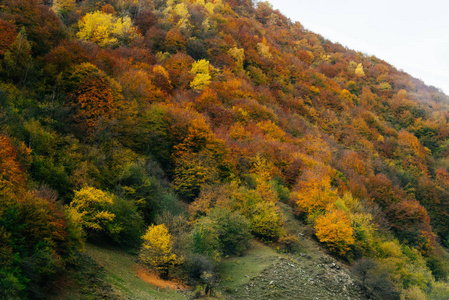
[122, 273]
[236, 271]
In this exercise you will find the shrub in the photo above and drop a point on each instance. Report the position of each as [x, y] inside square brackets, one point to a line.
[375, 279]
[233, 231]
[130, 222]
[288, 243]
[195, 267]
[266, 222]
[221, 233]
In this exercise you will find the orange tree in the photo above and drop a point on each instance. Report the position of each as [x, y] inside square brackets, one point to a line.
[334, 229]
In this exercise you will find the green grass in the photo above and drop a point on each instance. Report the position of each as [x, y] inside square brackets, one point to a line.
[120, 273]
[236, 271]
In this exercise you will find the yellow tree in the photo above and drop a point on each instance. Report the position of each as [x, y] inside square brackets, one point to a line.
[239, 56]
[359, 71]
[262, 170]
[263, 49]
[94, 207]
[106, 30]
[334, 229]
[156, 249]
[202, 77]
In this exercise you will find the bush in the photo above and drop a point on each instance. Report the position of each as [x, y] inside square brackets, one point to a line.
[233, 231]
[195, 267]
[130, 222]
[375, 279]
[288, 243]
[221, 233]
[266, 222]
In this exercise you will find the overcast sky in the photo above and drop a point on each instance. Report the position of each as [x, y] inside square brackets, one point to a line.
[411, 35]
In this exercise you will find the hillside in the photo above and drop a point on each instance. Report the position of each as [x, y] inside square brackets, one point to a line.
[179, 131]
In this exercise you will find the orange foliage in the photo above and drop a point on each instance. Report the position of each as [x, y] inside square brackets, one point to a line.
[313, 192]
[7, 37]
[199, 136]
[334, 229]
[92, 101]
[12, 178]
[442, 177]
[411, 142]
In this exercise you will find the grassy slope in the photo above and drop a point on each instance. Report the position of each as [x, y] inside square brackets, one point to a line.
[121, 274]
[107, 273]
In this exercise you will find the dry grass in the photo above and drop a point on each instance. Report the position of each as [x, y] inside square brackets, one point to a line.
[150, 277]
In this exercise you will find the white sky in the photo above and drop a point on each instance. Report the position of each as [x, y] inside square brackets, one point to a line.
[411, 35]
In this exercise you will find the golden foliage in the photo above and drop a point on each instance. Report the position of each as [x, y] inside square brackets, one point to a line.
[156, 249]
[93, 205]
[105, 29]
[359, 71]
[334, 229]
[202, 77]
[239, 55]
[313, 193]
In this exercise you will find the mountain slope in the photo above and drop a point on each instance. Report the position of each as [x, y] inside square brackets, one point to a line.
[180, 128]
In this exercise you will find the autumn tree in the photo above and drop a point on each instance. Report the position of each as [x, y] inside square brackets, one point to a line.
[44, 29]
[359, 71]
[334, 229]
[18, 62]
[314, 193]
[192, 172]
[63, 7]
[202, 75]
[12, 178]
[91, 96]
[157, 250]
[8, 36]
[106, 30]
[94, 205]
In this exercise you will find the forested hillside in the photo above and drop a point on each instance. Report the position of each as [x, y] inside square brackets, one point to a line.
[177, 128]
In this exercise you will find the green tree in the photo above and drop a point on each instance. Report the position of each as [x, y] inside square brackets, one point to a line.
[17, 61]
[266, 222]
